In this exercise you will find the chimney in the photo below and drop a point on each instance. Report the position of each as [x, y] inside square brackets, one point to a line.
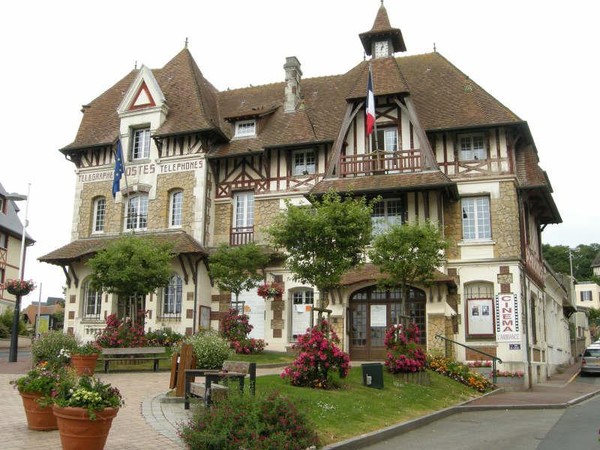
[293, 75]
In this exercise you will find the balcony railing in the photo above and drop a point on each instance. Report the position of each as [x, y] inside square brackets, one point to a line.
[400, 161]
[241, 235]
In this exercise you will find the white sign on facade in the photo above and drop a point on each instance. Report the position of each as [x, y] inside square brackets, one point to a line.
[143, 169]
[507, 318]
[378, 316]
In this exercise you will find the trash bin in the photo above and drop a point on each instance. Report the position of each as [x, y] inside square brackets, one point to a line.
[373, 375]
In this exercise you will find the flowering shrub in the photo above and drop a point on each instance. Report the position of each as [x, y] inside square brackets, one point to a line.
[39, 380]
[403, 353]
[241, 422]
[459, 372]
[19, 287]
[235, 328]
[318, 356]
[269, 290]
[210, 349]
[54, 348]
[87, 392]
[479, 363]
[122, 333]
[163, 338]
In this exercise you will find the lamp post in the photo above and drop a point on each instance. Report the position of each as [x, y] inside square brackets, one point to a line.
[14, 337]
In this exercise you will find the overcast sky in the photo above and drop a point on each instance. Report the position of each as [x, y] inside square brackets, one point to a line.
[539, 58]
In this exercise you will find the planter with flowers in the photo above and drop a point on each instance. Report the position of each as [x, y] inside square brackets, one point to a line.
[84, 358]
[404, 357]
[85, 408]
[270, 291]
[19, 287]
[36, 389]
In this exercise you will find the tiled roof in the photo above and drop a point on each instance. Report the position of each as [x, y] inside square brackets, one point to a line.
[10, 222]
[181, 241]
[370, 272]
[382, 27]
[379, 183]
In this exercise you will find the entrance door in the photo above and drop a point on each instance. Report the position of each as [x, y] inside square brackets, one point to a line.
[372, 312]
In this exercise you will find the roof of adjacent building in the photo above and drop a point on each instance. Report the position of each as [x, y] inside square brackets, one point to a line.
[370, 272]
[181, 241]
[10, 221]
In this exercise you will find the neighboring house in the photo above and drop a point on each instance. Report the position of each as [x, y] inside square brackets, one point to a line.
[11, 232]
[206, 167]
[596, 265]
[47, 312]
[587, 294]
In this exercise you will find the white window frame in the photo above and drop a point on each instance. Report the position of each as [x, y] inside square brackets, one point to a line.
[140, 148]
[2, 205]
[301, 162]
[476, 218]
[243, 213]
[469, 148]
[176, 209]
[3, 240]
[172, 298]
[245, 128]
[92, 303]
[388, 137]
[586, 296]
[99, 215]
[386, 213]
[302, 297]
[137, 212]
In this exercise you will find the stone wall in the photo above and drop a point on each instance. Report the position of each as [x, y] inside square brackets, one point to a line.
[264, 212]
[158, 208]
[222, 224]
[505, 222]
[113, 213]
[453, 228]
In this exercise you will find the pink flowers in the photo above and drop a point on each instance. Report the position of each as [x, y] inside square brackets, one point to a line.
[318, 355]
[269, 290]
[404, 354]
[235, 328]
[19, 287]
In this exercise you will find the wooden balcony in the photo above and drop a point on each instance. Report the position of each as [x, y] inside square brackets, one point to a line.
[378, 163]
[241, 235]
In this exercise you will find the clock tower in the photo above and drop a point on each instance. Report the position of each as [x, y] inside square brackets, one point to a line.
[382, 40]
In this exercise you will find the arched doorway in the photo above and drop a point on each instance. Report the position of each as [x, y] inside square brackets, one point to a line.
[372, 311]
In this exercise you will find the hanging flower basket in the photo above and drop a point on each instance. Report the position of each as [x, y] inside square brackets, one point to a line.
[270, 290]
[19, 287]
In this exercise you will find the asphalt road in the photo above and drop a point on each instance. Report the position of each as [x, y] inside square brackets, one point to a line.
[574, 428]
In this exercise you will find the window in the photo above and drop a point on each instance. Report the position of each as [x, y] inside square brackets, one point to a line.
[385, 214]
[245, 128]
[99, 214]
[586, 296]
[141, 144]
[305, 297]
[172, 295]
[243, 218]
[304, 162]
[387, 138]
[476, 218]
[175, 209]
[3, 240]
[137, 213]
[2, 205]
[471, 147]
[92, 303]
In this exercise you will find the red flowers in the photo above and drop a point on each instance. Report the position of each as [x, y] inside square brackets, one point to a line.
[269, 290]
[404, 354]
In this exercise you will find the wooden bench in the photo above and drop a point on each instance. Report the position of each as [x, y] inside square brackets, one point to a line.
[125, 354]
[216, 380]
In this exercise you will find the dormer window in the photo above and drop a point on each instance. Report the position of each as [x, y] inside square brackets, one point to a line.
[141, 144]
[472, 147]
[304, 162]
[245, 128]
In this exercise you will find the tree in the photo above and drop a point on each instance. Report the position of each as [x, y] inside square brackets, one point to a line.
[408, 254]
[237, 269]
[323, 240]
[562, 257]
[131, 266]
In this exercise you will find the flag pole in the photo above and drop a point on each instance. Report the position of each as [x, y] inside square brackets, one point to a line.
[374, 110]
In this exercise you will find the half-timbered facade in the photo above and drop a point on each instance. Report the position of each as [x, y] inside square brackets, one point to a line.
[211, 167]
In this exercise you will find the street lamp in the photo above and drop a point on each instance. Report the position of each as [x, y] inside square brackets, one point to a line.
[14, 337]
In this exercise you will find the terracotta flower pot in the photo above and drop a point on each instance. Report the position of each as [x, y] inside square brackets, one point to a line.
[39, 417]
[78, 431]
[84, 364]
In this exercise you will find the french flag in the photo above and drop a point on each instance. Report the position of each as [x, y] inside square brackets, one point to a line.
[370, 106]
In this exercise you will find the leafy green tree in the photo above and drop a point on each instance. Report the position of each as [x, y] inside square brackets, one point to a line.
[237, 269]
[561, 257]
[407, 254]
[323, 240]
[131, 266]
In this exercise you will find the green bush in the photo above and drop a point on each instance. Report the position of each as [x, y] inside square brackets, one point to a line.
[55, 347]
[237, 421]
[6, 319]
[210, 349]
[4, 331]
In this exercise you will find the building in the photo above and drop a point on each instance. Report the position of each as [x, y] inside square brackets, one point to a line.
[49, 312]
[205, 167]
[11, 234]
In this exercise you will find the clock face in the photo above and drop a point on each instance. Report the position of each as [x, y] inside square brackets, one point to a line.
[381, 48]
